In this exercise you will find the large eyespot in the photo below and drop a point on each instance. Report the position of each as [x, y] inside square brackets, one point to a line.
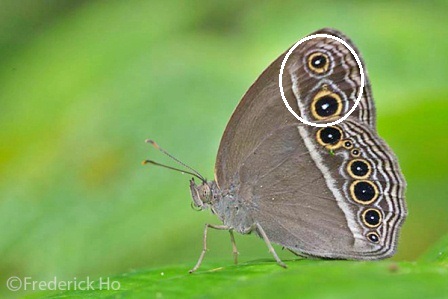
[363, 192]
[330, 137]
[325, 104]
[359, 168]
[373, 237]
[318, 63]
[372, 217]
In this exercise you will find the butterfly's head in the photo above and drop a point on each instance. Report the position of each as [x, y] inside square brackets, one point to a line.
[203, 194]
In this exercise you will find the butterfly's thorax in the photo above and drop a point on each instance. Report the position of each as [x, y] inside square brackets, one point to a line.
[230, 209]
[233, 211]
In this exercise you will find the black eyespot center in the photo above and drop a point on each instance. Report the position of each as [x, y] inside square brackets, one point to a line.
[318, 61]
[348, 144]
[359, 168]
[326, 106]
[373, 237]
[372, 217]
[364, 191]
[355, 152]
[330, 135]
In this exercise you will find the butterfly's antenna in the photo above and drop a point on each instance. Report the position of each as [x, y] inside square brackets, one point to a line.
[172, 168]
[193, 171]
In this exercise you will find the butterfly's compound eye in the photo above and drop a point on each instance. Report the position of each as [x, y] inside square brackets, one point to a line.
[318, 63]
[205, 193]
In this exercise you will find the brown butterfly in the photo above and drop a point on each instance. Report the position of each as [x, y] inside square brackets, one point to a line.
[334, 192]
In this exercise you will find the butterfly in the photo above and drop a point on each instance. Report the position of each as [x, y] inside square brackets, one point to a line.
[334, 192]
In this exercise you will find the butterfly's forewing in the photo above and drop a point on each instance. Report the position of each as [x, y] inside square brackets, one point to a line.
[293, 185]
[261, 109]
[260, 112]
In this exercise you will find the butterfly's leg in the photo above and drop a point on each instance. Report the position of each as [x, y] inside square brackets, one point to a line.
[268, 243]
[204, 250]
[234, 249]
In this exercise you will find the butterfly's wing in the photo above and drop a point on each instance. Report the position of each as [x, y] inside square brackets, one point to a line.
[261, 110]
[294, 184]
[324, 71]
[326, 202]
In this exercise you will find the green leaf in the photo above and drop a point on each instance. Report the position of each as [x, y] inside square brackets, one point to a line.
[437, 253]
[302, 279]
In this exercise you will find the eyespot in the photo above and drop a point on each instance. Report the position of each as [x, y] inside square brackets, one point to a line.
[359, 168]
[325, 104]
[363, 192]
[372, 217]
[318, 63]
[373, 237]
[355, 152]
[330, 137]
[347, 144]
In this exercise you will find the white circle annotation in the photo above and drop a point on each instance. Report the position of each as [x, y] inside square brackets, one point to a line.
[280, 83]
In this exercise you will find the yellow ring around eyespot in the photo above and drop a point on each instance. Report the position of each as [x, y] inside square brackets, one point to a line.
[352, 192]
[349, 169]
[357, 149]
[370, 225]
[318, 70]
[326, 145]
[321, 94]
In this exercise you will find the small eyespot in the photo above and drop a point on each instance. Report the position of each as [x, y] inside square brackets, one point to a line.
[359, 168]
[318, 63]
[348, 144]
[325, 104]
[372, 217]
[373, 237]
[355, 152]
[363, 192]
[330, 137]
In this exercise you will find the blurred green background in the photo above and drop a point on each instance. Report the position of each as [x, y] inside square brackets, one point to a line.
[84, 83]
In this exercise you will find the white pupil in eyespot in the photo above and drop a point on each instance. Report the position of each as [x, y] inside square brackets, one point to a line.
[325, 106]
